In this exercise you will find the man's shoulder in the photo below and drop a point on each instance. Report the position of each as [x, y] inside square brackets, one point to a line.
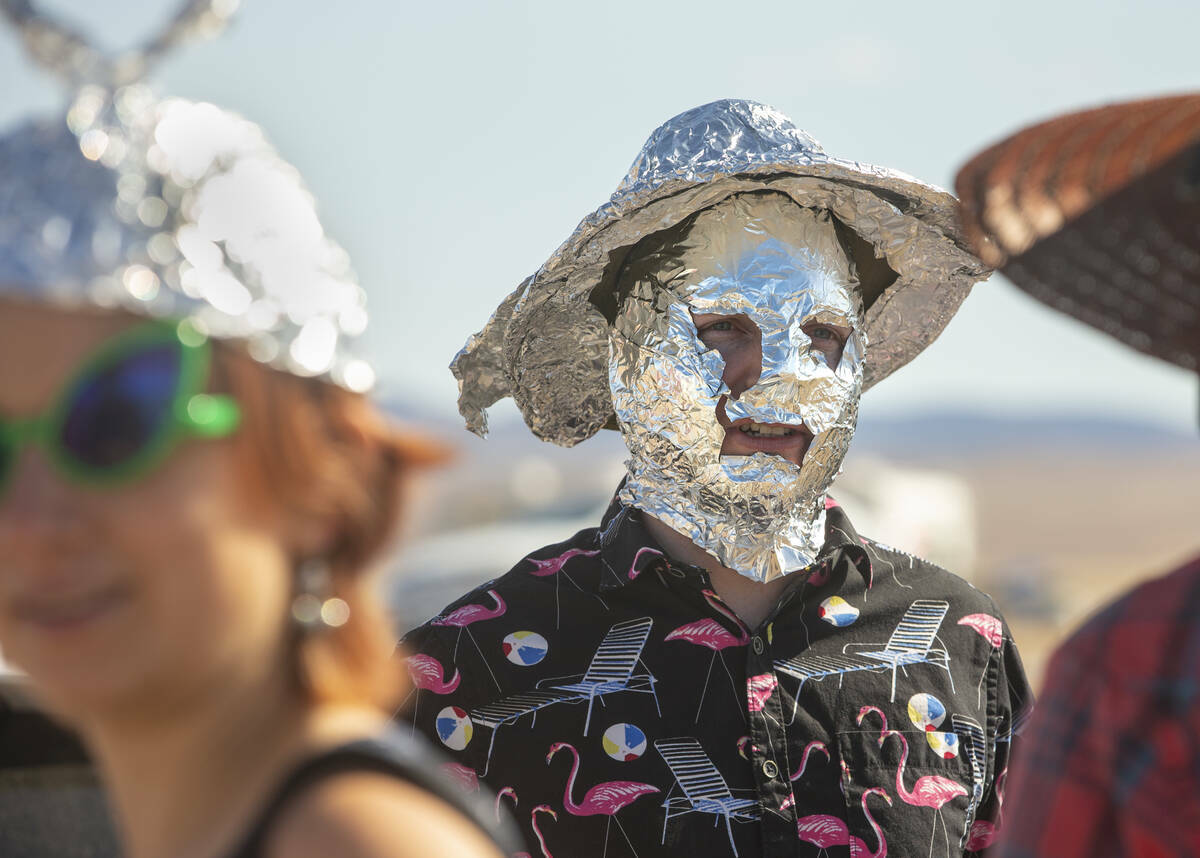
[896, 567]
[534, 573]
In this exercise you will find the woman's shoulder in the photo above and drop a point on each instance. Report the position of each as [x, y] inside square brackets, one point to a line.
[372, 814]
[375, 797]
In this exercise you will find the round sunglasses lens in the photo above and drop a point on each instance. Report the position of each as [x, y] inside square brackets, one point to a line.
[117, 411]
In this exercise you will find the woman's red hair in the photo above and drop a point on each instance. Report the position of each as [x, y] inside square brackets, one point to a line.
[329, 456]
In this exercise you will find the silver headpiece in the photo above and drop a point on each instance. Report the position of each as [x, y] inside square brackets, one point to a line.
[547, 343]
[169, 208]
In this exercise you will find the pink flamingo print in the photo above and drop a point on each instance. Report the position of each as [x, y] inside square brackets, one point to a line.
[982, 835]
[542, 568]
[707, 632]
[822, 830]
[462, 618]
[990, 627]
[819, 577]
[554, 566]
[815, 745]
[862, 713]
[928, 791]
[746, 747]
[427, 675]
[634, 569]
[604, 799]
[759, 690]
[505, 791]
[541, 808]
[992, 631]
[983, 832]
[858, 847]
[464, 776]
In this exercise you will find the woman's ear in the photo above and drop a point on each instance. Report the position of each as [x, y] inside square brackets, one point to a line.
[309, 534]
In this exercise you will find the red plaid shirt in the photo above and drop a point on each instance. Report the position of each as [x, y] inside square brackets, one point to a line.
[1110, 764]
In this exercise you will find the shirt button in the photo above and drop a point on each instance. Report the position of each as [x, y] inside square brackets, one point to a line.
[770, 769]
[757, 645]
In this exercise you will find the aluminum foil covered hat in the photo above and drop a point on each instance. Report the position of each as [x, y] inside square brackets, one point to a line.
[170, 208]
[546, 346]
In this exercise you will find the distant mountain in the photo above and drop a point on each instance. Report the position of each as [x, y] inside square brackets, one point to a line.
[933, 435]
[952, 434]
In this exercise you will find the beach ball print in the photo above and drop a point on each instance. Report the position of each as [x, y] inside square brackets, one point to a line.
[837, 611]
[945, 745]
[624, 742]
[926, 712]
[454, 728]
[525, 648]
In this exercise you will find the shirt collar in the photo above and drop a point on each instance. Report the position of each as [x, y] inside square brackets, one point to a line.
[627, 549]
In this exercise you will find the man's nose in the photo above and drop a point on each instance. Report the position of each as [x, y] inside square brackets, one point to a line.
[743, 367]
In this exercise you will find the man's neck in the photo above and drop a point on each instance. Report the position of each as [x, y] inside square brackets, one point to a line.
[752, 601]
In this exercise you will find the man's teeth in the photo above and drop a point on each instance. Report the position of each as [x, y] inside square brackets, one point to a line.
[765, 430]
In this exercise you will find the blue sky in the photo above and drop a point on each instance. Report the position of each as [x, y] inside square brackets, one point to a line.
[452, 146]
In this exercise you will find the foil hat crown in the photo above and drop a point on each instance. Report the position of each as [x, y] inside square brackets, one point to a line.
[170, 208]
[729, 136]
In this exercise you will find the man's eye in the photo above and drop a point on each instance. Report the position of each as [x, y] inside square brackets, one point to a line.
[820, 332]
[722, 325]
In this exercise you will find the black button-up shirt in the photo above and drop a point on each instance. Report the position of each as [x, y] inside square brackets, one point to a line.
[619, 707]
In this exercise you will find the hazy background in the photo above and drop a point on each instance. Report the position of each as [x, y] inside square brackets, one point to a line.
[452, 146]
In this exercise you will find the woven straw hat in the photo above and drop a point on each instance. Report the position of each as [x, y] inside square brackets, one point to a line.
[1097, 214]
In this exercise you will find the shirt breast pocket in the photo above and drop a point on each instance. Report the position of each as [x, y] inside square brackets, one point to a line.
[909, 795]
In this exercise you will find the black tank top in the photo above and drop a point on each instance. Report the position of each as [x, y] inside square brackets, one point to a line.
[394, 753]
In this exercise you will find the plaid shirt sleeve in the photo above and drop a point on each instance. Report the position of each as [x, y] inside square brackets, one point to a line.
[1111, 764]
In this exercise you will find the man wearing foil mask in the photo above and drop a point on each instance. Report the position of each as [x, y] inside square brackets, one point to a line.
[728, 668]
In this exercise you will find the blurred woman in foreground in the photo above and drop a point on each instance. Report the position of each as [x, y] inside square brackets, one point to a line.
[192, 488]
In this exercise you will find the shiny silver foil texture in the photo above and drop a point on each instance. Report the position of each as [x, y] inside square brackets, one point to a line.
[762, 257]
[169, 208]
[547, 343]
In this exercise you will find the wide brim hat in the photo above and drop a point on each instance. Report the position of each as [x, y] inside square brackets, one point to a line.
[546, 346]
[1097, 214]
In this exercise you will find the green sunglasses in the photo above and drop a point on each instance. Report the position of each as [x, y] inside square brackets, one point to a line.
[126, 408]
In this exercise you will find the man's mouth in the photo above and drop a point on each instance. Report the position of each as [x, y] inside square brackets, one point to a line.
[767, 430]
[745, 437]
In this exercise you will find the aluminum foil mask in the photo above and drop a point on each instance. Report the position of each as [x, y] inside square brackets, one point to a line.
[780, 265]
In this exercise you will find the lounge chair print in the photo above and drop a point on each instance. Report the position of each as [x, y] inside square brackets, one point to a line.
[704, 789]
[911, 643]
[610, 672]
[971, 738]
